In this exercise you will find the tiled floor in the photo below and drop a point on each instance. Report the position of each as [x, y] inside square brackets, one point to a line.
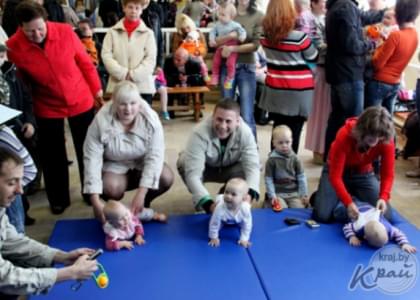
[405, 196]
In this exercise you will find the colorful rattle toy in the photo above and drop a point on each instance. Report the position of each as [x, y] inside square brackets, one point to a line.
[102, 279]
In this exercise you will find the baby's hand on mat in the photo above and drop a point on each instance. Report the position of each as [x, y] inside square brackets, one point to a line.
[408, 248]
[139, 240]
[244, 244]
[126, 244]
[354, 241]
[214, 242]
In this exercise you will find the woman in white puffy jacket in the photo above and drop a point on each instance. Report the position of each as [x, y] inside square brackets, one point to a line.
[124, 150]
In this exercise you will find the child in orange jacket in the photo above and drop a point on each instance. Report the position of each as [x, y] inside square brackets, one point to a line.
[196, 49]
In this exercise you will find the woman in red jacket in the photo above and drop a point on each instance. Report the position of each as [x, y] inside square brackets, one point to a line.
[349, 172]
[64, 83]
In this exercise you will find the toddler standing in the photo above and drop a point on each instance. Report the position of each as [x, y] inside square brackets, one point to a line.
[160, 84]
[285, 180]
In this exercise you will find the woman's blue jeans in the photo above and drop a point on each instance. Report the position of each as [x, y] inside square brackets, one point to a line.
[362, 186]
[16, 214]
[246, 83]
[380, 93]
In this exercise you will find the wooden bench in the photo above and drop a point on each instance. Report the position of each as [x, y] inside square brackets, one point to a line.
[191, 92]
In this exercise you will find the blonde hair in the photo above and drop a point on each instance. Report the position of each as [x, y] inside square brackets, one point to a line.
[229, 8]
[124, 90]
[281, 130]
[112, 209]
[183, 21]
[376, 234]
[237, 181]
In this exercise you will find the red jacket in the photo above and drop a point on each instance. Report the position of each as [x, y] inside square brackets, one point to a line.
[344, 155]
[61, 76]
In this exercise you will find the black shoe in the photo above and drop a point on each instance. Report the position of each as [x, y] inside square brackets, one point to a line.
[58, 209]
[29, 220]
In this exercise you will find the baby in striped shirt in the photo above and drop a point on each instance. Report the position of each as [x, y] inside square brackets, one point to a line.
[372, 227]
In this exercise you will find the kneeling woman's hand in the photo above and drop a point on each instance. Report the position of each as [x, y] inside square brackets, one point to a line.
[381, 205]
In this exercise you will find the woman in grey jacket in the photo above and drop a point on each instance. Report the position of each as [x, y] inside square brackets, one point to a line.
[124, 150]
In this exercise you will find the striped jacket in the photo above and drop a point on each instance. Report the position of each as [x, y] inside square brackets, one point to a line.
[287, 62]
[9, 141]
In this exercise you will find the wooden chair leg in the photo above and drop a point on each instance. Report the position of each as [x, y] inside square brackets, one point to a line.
[197, 107]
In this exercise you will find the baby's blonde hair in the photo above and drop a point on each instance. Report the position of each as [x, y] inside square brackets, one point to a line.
[229, 8]
[237, 181]
[112, 208]
[281, 130]
[376, 234]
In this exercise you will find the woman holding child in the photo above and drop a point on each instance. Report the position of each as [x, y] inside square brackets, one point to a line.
[391, 58]
[250, 19]
[124, 150]
[185, 25]
[348, 174]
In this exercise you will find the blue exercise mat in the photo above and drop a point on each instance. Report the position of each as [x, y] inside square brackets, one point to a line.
[296, 262]
[175, 263]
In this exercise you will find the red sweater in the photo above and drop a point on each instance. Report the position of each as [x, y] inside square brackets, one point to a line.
[62, 77]
[344, 155]
[391, 58]
[130, 26]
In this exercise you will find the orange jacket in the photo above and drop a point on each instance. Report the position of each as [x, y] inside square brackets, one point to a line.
[194, 48]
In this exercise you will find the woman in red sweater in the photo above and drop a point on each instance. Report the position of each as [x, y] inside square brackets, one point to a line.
[391, 58]
[64, 84]
[349, 173]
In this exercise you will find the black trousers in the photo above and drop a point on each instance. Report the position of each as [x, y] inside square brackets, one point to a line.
[148, 98]
[295, 123]
[53, 155]
[8, 297]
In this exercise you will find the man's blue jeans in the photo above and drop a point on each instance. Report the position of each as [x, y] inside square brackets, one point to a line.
[346, 102]
[380, 93]
[364, 187]
[16, 214]
[246, 83]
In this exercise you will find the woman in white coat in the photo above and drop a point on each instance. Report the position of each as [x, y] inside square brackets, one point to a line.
[129, 51]
[124, 150]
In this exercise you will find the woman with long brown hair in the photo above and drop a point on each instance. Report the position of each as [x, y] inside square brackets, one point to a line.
[287, 94]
